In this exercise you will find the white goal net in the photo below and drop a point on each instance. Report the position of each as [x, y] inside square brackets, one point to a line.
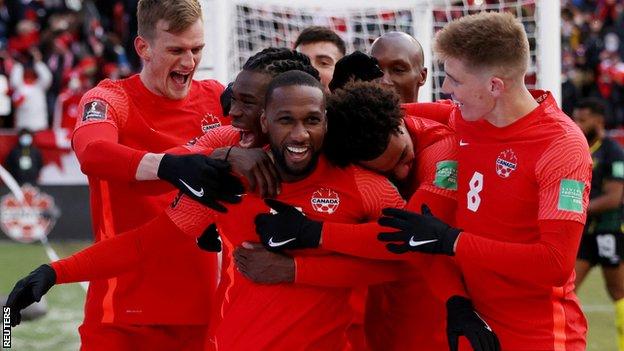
[236, 29]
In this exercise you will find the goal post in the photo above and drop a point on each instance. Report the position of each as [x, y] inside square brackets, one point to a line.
[236, 29]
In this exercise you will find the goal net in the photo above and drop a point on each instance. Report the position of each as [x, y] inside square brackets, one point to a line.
[236, 29]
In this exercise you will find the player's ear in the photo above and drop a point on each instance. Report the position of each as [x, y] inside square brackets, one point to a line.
[423, 76]
[497, 86]
[142, 47]
[264, 124]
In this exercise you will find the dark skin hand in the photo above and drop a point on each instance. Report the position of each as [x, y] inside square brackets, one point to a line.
[263, 267]
[255, 165]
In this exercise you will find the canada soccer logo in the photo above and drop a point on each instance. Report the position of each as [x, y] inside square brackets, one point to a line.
[209, 122]
[30, 220]
[325, 201]
[506, 163]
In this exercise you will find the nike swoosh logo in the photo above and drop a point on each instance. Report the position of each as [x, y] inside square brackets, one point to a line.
[279, 243]
[462, 143]
[414, 243]
[197, 193]
[487, 326]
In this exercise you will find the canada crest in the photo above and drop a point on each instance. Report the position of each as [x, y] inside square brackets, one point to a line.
[209, 122]
[506, 163]
[29, 220]
[325, 200]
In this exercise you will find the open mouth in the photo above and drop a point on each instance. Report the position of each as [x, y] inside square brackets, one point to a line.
[247, 137]
[180, 78]
[297, 153]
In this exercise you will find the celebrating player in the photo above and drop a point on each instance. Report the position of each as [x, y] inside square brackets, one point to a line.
[155, 110]
[602, 241]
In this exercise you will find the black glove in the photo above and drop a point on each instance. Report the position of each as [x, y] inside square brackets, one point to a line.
[203, 179]
[209, 240]
[422, 233]
[462, 319]
[355, 66]
[287, 229]
[30, 290]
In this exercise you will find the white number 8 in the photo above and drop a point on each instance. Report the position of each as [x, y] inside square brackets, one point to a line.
[476, 185]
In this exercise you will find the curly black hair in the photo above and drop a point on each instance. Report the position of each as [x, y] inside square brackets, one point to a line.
[279, 60]
[361, 117]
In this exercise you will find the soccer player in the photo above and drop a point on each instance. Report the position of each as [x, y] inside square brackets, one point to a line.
[324, 48]
[159, 108]
[523, 186]
[365, 126]
[294, 119]
[603, 242]
[402, 60]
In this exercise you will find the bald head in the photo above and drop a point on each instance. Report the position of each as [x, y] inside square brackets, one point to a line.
[402, 59]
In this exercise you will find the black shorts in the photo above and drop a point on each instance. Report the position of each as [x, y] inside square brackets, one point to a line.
[604, 249]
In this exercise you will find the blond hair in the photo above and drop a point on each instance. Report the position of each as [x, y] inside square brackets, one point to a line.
[179, 15]
[488, 40]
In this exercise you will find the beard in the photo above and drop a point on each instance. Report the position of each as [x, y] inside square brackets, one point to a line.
[282, 165]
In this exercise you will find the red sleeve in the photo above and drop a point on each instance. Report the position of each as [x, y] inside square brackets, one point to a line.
[549, 261]
[103, 110]
[438, 111]
[436, 168]
[564, 182]
[101, 156]
[109, 258]
[214, 139]
[344, 271]
[376, 192]
[361, 239]
[189, 216]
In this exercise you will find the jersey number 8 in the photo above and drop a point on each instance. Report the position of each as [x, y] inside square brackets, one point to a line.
[476, 185]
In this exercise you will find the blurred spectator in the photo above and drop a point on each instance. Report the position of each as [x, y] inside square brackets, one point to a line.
[30, 81]
[24, 161]
[5, 93]
[592, 55]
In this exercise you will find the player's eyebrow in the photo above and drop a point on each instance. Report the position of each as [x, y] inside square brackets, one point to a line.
[451, 76]
[321, 56]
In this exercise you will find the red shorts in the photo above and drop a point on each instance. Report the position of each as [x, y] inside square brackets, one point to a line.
[106, 337]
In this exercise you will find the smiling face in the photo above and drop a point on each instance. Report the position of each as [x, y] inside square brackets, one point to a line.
[469, 89]
[248, 93]
[170, 59]
[295, 122]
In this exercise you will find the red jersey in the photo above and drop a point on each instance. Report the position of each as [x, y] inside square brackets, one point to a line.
[119, 122]
[403, 314]
[290, 316]
[522, 198]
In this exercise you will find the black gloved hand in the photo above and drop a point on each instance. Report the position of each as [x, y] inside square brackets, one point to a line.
[209, 240]
[29, 290]
[462, 319]
[201, 178]
[288, 228]
[355, 66]
[422, 233]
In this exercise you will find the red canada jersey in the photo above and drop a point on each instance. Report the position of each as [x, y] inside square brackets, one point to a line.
[145, 121]
[67, 109]
[510, 179]
[288, 316]
[395, 315]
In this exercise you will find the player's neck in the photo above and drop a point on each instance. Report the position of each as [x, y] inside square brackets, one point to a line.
[512, 106]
